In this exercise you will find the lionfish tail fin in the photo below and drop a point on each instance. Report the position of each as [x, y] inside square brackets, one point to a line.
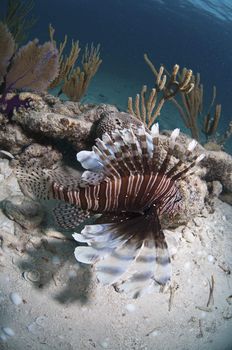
[124, 255]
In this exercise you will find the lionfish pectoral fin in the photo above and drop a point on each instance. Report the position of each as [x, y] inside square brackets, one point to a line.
[163, 270]
[126, 253]
[111, 248]
[151, 269]
[68, 216]
[115, 265]
[89, 160]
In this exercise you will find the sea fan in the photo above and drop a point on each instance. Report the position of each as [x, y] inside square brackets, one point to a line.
[33, 67]
[7, 48]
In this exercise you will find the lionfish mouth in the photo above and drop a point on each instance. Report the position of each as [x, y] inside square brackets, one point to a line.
[131, 186]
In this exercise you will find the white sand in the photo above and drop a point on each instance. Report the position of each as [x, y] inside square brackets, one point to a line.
[67, 309]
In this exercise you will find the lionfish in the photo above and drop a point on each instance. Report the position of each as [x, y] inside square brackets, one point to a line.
[125, 181]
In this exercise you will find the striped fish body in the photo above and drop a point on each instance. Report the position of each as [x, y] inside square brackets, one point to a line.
[132, 193]
[127, 182]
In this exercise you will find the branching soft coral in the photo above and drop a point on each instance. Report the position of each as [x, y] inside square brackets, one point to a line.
[74, 80]
[18, 18]
[77, 84]
[32, 68]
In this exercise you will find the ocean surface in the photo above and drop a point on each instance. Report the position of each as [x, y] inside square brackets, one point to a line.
[193, 33]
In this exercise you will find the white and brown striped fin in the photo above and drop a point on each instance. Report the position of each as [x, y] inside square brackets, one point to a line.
[180, 169]
[68, 216]
[108, 159]
[135, 243]
[171, 144]
[140, 275]
[89, 160]
[123, 156]
[134, 148]
[141, 146]
[155, 141]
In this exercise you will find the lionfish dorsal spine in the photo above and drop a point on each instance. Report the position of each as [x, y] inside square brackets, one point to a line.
[124, 172]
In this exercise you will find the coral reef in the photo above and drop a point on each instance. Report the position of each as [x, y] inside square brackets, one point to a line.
[60, 122]
[36, 68]
[219, 167]
[50, 122]
[216, 141]
[216, 166]
[32, 67]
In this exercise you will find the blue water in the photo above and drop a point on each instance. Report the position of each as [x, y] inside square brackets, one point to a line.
[195, 34]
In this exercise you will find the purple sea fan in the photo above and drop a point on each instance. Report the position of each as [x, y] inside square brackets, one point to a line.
[7, 48]
[33, 67]
[131, 186]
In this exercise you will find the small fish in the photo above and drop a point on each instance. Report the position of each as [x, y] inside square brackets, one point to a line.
[127, 182]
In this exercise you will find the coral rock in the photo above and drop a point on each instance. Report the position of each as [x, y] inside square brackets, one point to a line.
[24, 211]
[219, 167]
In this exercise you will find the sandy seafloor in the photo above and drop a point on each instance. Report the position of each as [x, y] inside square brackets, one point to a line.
[67, 309]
